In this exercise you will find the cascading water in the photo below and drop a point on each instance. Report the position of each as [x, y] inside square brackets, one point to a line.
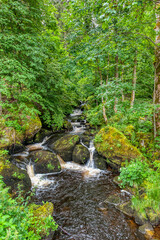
[91, 149]
[78, 200]
[38, 180]
[77, 124]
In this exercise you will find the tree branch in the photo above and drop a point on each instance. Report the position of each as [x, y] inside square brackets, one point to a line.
[148, 39]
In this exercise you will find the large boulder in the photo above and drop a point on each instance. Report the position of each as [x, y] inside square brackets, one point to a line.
[39, 137]
[32, 127]
[40, 214]
[65, 145]
[45, 162]
[14, 177]
[114, 146]
[10, 136]
[100, 162]
[80, 154]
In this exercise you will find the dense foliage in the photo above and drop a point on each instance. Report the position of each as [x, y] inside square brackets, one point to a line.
[17, 221]
[31, 74]
[54, 54]
[145, 180]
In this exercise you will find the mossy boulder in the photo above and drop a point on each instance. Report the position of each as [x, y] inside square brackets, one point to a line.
[33, 126]
[10, 136]
[127, 209]
[67, 125]
[40, 214]
[100, 162]
[43, 211]
[64, 146]
[80, 154]
[39, 137]
[153, 217]
[45, 162]
[14, 177]
[114, 146]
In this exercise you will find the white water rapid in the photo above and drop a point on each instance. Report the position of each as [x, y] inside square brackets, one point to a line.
[78, 126]
[38, 180]
[87, 170]
[91, 149]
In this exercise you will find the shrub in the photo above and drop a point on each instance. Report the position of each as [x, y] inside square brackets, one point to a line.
[18, 222]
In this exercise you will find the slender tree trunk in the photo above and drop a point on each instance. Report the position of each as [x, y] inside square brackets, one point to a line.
[0, 103]
[154, 113]
[107, 72]
[157, 73]
[122, 82]
[134, 81]
[103, 103]
[116, 75]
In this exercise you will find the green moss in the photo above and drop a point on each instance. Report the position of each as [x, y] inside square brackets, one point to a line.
[41, 215]
[115, 146]
[9, 135]
[33, 126]
[50, 166]
[19, 176]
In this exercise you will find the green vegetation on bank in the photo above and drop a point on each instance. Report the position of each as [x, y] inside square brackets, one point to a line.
[19, 221]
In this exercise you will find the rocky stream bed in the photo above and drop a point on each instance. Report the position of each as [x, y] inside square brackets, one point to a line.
[67, 171]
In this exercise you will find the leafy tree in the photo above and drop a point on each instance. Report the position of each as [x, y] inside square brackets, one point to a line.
[31, 61]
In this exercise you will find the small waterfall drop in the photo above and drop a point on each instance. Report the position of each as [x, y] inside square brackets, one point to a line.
[76, 122]
[90, 163]
[37, 180]
[87, 170]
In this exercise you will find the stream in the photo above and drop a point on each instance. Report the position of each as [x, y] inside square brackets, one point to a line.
[78, 193]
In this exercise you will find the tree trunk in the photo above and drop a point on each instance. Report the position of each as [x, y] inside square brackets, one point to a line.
[103, 103]
[107, 72]
[157, 72]
[134, 81]
[116, 100]
[0, 103]
[122, 82]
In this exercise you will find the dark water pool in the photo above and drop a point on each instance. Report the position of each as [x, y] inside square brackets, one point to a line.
[79, 208]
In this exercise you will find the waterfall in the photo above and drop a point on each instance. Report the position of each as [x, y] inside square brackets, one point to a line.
[37, 180]
[91, 149]
[76, 122]
[87, 170]
[30, 170]
[90, 163]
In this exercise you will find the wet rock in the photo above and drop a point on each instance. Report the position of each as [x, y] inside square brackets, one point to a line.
[126, 208]
[41, 135]
[113, 199]
[147, 227]
[80, 154]
[99, 162]
[116, 180]
[17, 148]
[86, 140]
[67, 125]
[114, 146]
[14, 177]
[65, 145]
[45, 162]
